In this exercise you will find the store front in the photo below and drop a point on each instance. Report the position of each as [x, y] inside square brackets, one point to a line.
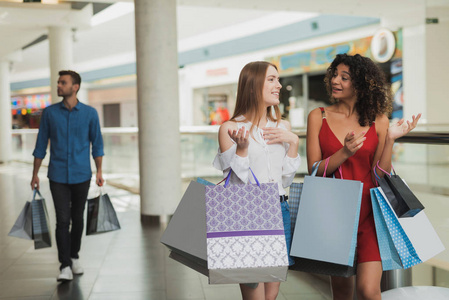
[26, 110]
[302, 73]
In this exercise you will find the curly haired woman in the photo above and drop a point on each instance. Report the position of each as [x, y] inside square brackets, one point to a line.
[354, 132]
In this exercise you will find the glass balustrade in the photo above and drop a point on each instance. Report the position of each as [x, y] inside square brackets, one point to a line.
[421, 159]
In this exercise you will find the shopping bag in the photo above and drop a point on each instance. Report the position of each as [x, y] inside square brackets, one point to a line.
[310, 265]
[22, 228]
[185, 234]
[402, 200]
[101, 215]
[323, 268]
[40, 222]
[388, 253]
[245, 233]
[414, 238]
[204, 181]
[294, 197]
[327, 220]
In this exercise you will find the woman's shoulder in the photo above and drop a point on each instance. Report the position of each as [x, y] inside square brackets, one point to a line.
[228, 125]
[315, 114]
[285, 124]
[382, 122]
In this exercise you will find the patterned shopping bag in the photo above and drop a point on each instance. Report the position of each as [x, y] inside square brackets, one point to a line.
[245, 234]
[388, 253]
[414, 238]
[294, 195]
[40, 222]
[405, 249]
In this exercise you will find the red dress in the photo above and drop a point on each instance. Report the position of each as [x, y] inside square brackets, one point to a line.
[357, 167]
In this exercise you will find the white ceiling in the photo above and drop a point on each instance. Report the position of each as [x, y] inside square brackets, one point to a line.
[199, 22]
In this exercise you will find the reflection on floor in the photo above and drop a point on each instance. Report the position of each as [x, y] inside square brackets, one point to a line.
[125, 264]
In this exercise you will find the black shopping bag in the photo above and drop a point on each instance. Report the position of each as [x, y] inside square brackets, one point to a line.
[323, 267]
[23, 226]
[404, 202]
[40, 222]
[101, 215]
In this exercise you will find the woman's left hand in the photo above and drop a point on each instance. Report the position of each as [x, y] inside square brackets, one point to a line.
[274, 135]
[402, 127]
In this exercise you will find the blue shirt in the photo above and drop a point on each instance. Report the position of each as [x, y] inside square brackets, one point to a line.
[70, 134]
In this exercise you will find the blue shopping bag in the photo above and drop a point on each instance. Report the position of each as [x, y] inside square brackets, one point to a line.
[204, 181]
[388, 253]
[404, 247]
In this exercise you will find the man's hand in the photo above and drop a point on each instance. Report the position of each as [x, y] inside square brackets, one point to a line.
[99, 180]
[34, 182]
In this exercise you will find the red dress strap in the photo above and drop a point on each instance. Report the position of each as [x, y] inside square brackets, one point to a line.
[323, 114]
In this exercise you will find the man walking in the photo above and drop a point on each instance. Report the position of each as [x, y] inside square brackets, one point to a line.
[71, 127]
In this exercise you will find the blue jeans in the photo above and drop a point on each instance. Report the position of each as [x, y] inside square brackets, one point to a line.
[69, 200]
[287, 229]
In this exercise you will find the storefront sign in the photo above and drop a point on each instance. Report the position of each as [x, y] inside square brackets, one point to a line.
[319, 59]
[383, 45]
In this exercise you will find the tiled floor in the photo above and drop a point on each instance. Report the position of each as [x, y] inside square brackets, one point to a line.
[125, 264]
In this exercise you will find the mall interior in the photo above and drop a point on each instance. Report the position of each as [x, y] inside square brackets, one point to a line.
[162, 75]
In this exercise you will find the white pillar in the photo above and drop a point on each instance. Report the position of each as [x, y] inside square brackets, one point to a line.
[414, 71]
[425, 76]
[158, 107]
[5, 113]
[61, 55]
[437, 76]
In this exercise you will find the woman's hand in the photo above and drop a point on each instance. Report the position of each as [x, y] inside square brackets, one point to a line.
[240, 137]
[401, 127]
[353, 143]
[273, 135]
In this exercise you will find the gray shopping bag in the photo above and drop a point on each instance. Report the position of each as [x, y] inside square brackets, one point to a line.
[327, 221]
[310, 265]
[101, 215]
[22, 227]
[185, 235]
[40, 221]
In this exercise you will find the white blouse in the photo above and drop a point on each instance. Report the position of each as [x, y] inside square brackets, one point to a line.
[269, 163]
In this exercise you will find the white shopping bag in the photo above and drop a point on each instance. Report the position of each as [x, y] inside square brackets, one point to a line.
[421, 233]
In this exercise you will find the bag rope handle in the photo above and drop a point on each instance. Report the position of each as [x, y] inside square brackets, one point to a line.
[377, 176]
[325, 168]
[228, 177]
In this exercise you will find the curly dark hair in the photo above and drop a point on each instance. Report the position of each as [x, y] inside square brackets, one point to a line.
[374, 96]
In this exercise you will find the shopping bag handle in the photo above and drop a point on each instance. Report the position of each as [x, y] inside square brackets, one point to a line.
[229, 177]
[377, 176]
[317, 164]
[100, 189]
[315, 167]
[36, 191]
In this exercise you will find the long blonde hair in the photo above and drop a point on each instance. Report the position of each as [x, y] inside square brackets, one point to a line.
[250, 103]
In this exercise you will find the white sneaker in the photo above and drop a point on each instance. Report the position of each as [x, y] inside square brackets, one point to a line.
[65, 275]
[77, 269]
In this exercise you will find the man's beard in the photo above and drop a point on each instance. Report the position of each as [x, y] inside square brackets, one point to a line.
[68, 94]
